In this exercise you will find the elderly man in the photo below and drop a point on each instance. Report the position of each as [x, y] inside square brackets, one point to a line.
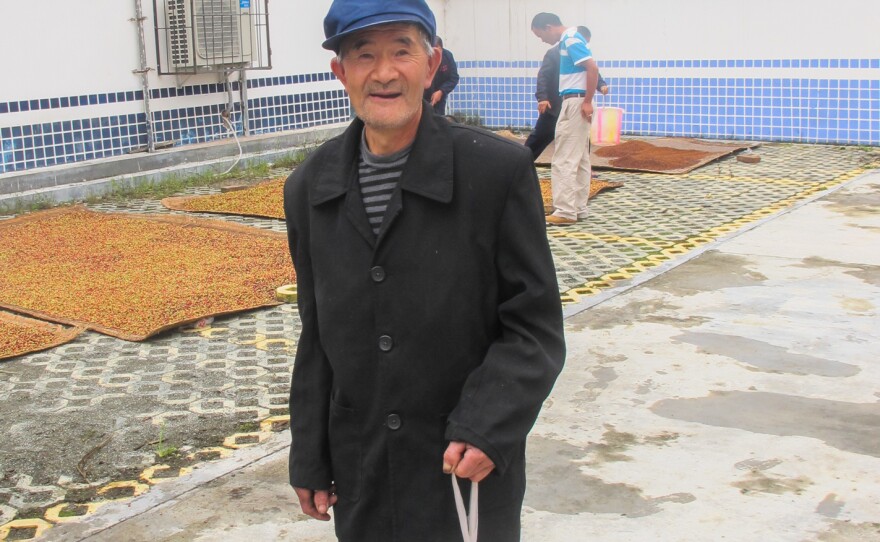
[578, 77]
[431, 321]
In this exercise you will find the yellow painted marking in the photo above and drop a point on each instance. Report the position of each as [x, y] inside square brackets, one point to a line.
[747, 179]
[615, 239]
[275, 423]
[149, 474]
[586, 291]
[54, 514]
[674, 251]
[137, 488]
[207, 332]
[261, 342]
[253, 438]
[204, 452]
[286, 293]
[39, 525]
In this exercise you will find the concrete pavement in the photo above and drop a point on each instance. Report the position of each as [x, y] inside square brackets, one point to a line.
[733, 397]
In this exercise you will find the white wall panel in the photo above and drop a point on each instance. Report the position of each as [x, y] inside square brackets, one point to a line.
[673, 29]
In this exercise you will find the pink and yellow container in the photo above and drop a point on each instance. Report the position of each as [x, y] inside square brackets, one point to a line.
[606, 126]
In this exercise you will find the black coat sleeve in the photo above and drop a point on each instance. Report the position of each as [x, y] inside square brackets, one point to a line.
[309, 465]
[502, 397]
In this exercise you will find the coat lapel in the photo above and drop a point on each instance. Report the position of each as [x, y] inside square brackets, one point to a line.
[428, 170]
[341, 178]
[428, 173]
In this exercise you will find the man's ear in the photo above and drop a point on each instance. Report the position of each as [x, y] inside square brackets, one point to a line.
[433, 64]
[338, 70]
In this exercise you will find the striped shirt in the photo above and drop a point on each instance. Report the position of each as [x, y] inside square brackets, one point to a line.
[573, 53]
[378, 177]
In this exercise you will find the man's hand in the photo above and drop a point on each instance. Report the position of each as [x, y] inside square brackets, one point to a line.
[605, 89]
[316, 503]
[543, 106]
[466, 461]
[436, 97]
[587, 110]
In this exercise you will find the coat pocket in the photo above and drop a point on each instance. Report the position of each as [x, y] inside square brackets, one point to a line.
[345, 451]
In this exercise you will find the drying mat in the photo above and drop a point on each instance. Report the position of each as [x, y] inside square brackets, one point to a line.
[661, 155]
[20, 335]
[596, 186]
[132, 276]
[262, 200]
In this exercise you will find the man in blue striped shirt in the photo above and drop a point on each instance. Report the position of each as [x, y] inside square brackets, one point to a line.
[578, 75]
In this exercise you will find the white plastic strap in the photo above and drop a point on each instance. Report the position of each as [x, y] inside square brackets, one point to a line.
[468, 521]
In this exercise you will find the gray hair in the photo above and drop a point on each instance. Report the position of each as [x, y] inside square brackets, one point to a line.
[426, 41]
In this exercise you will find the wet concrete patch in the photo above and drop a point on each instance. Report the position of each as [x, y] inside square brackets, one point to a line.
[651, 311]
[645, 387]
[760, 482]
[830, 506]
[869, 274]
[847, 426]
[615, 443]
[857, 305]
[856, 204]
[603, 376]
[557, 484]
[764, 356]
[709, 272]
[845, 531]
[757, 464]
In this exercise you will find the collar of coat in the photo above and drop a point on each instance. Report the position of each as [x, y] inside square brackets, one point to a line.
[428, 170]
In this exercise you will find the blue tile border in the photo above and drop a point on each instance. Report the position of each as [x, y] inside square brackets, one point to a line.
[777, 109]
[53, 143]
[82, 100]
[832, 109]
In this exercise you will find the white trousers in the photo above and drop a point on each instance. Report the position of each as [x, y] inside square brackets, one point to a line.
[570, 170]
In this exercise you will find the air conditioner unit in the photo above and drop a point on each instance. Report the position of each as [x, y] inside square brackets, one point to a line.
[209, 34]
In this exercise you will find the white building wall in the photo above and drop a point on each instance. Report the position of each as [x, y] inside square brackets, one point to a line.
[672, 29]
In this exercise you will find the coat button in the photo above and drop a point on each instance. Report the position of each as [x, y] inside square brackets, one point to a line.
[393, 422]
[377, 274]
[385, 343]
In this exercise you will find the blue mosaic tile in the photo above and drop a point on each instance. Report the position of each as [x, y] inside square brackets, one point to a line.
[795, 109]
[829, 109]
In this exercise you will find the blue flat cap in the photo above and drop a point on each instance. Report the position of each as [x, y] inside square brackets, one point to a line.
[348, 16]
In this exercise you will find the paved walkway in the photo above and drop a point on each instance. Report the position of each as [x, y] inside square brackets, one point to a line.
[732, 395]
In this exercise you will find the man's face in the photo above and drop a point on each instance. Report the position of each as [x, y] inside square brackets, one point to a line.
[546, 35]
[385, 72]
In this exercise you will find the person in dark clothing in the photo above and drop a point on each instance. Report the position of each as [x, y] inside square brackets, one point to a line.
[549, 101]
[444, 81]
[431, 323]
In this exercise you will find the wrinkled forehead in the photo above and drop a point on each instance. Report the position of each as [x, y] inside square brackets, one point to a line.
[402, 33]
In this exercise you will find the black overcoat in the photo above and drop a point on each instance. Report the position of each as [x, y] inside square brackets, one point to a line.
[445, 326]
